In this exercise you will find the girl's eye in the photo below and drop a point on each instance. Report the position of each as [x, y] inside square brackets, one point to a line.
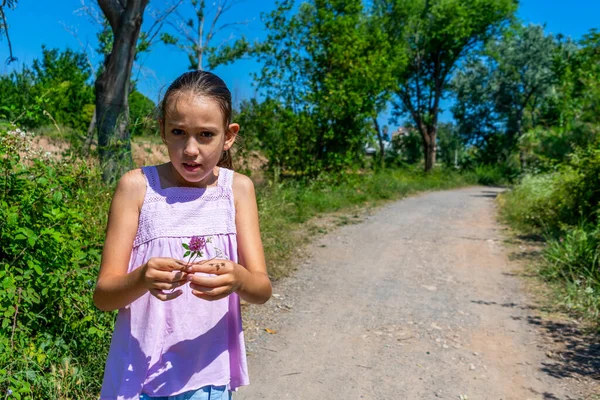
[207, 134]
[177, 132]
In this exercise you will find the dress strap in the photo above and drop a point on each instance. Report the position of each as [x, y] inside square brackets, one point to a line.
[225, 178]
[152, 179]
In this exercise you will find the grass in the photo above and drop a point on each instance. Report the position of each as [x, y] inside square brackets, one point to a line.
[569, 262]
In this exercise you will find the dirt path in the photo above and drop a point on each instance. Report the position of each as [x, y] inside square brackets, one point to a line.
[416, 302]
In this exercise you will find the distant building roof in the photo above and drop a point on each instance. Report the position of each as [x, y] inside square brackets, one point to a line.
[401, 131]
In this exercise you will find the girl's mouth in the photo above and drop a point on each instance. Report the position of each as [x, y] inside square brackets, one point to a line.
[191, 167]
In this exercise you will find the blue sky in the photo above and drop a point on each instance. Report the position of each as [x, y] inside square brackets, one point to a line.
[37, 22]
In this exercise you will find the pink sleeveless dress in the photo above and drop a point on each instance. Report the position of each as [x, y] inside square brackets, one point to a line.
[167, 348]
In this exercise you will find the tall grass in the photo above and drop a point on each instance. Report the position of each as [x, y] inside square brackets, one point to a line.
[575, 260]
[554, 206]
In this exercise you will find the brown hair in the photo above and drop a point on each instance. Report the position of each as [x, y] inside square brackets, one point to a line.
[206, 84]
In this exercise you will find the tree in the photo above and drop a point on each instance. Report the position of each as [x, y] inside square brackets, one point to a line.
[55, 90]
[9, 4]
[450, 145]
[327, 67]
[65, 76]
[106, 38]
[112, 86]
[196, 38]
[570, 115]
[501, 92]
[436, 34]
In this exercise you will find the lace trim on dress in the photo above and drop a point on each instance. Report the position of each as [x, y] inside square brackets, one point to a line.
[186, 211]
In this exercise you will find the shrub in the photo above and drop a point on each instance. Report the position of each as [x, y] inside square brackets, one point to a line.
[490, 175]
[52, 221]
[575, 258]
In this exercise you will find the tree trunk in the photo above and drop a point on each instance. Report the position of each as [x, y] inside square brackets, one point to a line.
[381, 146]
[522, 155]
[112, 87]
[429, 133]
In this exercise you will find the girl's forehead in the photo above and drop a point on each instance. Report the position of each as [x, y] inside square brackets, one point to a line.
[186, 107]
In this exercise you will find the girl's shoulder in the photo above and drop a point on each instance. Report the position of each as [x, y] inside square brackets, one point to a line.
[132, 186]
[242, 185]
[243, 190]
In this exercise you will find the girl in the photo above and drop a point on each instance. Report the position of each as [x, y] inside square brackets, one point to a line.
[178, 334]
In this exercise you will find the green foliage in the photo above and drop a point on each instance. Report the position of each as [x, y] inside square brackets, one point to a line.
[546, 148]
[52, 221]
[501, 90]
[407, 148]
[575, 259]
[539, 202]
[142, 118]
[435, 35]
[326, 69]
[564, 206]
[54, 91]
[490, 175]
[555, 202]
[452, 150]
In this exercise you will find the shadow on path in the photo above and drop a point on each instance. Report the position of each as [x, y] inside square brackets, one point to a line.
[580, 356]
[579, 353]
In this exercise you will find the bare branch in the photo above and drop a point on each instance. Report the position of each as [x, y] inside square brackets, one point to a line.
[182, 29]
[226, 5]
[245, 22]
[211, 32]
[160, 19]
[10, 58]
[73, 32]
[91, 12]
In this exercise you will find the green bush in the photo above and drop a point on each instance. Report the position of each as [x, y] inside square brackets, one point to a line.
[563, 206]
[575, 258]
[535, 204]
[490, 175]
[557, 201]
[52, 338]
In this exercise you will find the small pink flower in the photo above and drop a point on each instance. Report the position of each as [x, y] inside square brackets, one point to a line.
[197, 243]
[195, 249]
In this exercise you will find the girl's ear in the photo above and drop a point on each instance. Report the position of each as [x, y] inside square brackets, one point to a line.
[230, 135]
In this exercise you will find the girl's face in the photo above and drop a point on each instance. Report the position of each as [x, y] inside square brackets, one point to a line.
[195, 135]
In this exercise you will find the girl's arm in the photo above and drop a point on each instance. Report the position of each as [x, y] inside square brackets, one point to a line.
[255, 285]
[115, 287]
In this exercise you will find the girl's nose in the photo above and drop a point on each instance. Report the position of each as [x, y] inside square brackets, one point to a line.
[191, 147]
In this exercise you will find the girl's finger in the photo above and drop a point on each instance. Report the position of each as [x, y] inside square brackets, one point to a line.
[169, 276]
[165, 296]
[210, 293]
[208, 281]
[167, 285]
[216, 267]
[179, 265]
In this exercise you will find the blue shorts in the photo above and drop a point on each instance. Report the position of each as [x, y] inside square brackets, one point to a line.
[205, 393]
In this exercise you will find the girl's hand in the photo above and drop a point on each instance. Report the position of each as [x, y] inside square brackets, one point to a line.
[161, 274]
[228, 279]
